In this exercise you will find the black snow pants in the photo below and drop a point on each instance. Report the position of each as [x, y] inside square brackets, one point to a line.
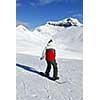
[55, 69]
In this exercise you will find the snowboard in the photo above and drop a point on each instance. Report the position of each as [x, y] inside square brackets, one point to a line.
[60, 82]
[51, 78]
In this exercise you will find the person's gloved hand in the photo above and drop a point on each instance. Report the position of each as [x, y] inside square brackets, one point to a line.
[41, 58]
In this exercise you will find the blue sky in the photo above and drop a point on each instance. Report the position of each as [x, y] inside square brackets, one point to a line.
[33, 13]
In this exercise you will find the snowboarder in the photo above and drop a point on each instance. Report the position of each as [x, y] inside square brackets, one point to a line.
[49, 53]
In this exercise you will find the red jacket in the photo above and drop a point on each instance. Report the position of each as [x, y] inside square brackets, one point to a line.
[50, 54]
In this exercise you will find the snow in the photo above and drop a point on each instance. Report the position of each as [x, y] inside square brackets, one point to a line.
[64, 22]
[30, 85]
[67, 40]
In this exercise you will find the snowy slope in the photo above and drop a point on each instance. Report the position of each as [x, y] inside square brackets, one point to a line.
[27, 42]
[68, 40]
[32, 86]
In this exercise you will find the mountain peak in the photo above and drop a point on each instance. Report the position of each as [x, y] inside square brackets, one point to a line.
[66, 22]
[21, 28]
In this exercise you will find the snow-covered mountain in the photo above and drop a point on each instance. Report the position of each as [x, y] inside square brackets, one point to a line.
[66, 22]
[28, 42]
[30, 84]
[21, 28]
[69, 39]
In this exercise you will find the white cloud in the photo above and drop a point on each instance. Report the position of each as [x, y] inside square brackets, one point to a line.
[33, 4]
[18, 4]
[43, 2]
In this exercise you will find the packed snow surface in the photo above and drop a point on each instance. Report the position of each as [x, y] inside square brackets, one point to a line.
[32, 86]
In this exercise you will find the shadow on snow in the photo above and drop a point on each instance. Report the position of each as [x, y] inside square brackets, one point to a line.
[30, 69]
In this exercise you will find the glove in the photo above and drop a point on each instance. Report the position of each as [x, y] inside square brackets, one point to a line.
[41, 58]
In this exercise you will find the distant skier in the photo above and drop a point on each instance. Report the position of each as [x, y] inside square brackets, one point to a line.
[49, 53]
